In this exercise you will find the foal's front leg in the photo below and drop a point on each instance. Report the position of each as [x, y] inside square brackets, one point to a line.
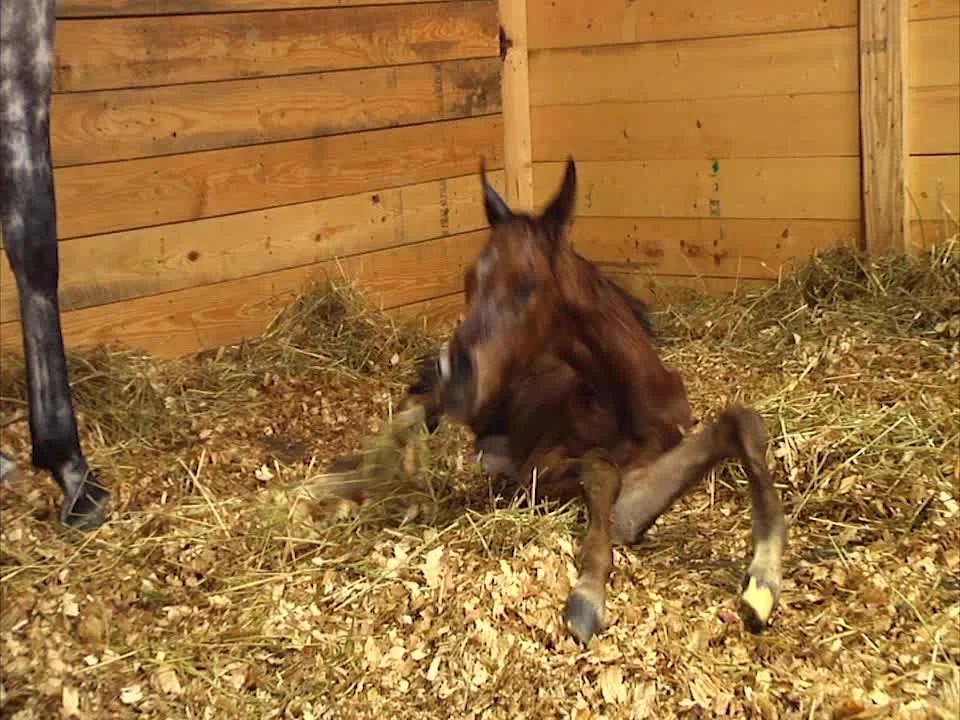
[585, 608]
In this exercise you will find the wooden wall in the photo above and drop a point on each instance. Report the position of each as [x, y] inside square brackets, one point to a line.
[933, 120]
[719, 142]
[212, 156]
[209, 163]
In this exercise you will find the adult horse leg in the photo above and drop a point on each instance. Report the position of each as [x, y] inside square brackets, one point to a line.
[28, 216]
[649, 491]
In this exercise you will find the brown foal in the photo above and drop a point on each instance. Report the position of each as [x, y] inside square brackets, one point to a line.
[554, 371]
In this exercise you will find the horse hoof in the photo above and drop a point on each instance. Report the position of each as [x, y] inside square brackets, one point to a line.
[88, 509]
[759, 599]
[584, 615]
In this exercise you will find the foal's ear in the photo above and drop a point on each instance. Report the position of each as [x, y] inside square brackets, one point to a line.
[560, 209]
[497, 210]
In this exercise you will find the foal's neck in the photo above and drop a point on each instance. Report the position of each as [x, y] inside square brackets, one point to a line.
[605, 341]
[600, 323]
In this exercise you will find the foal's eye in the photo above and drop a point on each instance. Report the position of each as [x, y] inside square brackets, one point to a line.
[524, 291]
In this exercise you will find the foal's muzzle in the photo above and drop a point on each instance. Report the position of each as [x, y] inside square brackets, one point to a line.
[458, 378]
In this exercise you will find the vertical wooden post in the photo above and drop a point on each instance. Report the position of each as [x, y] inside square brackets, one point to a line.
[883, 144]
[517, 144]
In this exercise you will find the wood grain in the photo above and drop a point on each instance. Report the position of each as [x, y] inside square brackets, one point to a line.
[883, 54]
[576, 23]
[107, 125]
[819, 125]
[442, 311]
[581, 23]
[660, 291]
[818, 61]
[927, 9]
[796, 188]
[119, 8]
[140, 193]
[120, 266]
[100, 54]
[203, 318]
[708, 247]
[517, 144]
[934, 52]
[933, 182]
[924, 234]
[934, 124]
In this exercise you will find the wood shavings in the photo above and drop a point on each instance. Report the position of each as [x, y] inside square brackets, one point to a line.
[250, 600]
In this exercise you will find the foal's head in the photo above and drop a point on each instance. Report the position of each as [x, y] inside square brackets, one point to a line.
[513, 302]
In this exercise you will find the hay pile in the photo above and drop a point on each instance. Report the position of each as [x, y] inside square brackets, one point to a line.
[216, 592]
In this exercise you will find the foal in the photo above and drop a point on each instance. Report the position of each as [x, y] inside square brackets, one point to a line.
[554, 371]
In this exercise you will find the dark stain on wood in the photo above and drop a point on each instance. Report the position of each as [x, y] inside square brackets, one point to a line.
[652, 249]
[691, 249]
[477, 85]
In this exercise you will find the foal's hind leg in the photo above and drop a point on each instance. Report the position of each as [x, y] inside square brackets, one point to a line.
[585, 607]
[648, 492]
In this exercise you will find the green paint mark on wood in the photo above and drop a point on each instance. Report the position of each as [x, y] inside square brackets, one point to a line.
[716, 166]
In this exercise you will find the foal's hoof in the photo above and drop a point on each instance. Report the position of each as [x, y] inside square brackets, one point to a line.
[758, 599]
[88, 509]
[584, 614]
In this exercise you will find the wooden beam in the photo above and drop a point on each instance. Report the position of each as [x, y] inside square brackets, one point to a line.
[174, 188]
[107, 125]
[515, 99]
[814, 188]
[813, 61]
[883, 82]
[169, 49]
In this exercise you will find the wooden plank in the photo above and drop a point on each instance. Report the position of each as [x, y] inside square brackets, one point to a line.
[709, 247]
[657, 290]
[182, 322]
[934, 52]
[439, 311]
[128, 194]
[924, 234]
[933, 183]
[806, 62]
[662, 290]
[517, 144]
[120, 8]
[139, 51]
[796, 188]
[927, 9]
[577, 23]
[102, 269]
[558, 24]
[109, 125]
[820, 125]
[883, 34]
[934, 123]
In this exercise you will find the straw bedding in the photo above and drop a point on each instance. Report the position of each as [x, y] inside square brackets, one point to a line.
[228, 584]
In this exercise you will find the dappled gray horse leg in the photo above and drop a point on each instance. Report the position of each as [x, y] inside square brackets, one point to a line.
[649, 491]
[28, 217]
